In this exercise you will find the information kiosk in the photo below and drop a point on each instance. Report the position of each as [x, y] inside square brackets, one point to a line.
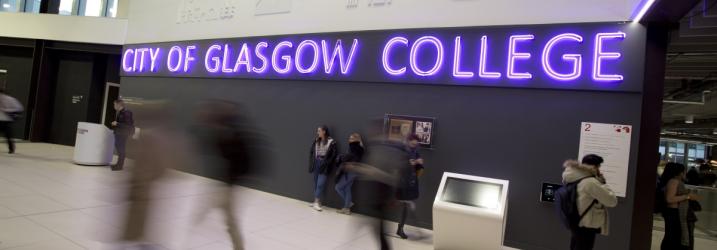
[469, 212]
[94, 144]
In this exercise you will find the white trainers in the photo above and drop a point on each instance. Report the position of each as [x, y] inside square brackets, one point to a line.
[317, 207]
[345, 211]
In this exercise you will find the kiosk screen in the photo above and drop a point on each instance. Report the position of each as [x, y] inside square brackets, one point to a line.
[472, 193]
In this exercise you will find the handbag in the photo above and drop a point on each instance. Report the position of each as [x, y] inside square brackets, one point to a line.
[695, 206]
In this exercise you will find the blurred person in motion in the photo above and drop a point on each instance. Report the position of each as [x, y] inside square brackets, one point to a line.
[408, 190]
[344, 179]
[123, 128]
[593, 198]
[227, 139]
[10, 110]
[679, 220]
[163, 146]
[383, 175]
[379, 175]
[322, 158]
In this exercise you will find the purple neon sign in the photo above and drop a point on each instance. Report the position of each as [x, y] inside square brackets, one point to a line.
[478, 58]
[574, 59]
[601, 55]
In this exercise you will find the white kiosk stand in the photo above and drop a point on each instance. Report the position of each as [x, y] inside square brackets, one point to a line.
[469, 212]
[94, 144]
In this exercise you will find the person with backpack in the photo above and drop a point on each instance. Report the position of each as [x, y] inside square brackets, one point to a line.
[10, 109]
[583, 201]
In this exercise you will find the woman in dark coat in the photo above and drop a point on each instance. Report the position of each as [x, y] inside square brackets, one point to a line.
[322, 158]
[407, 190]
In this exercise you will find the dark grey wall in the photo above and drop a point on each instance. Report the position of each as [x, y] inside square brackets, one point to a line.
[18, 62]
[522, 135]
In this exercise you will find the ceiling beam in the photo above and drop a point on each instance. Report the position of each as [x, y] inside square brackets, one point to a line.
[697, 124]
[669, 11]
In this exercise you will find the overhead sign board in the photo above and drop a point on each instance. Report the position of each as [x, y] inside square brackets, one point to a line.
[578, 56]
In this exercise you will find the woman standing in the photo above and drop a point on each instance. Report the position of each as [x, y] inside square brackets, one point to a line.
[407, 191]
[346, 179]
[322, 158]
[679, 232]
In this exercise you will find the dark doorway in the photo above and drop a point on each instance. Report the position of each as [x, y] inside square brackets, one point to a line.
[72, 90]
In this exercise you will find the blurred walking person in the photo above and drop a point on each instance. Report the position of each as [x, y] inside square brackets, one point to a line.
[322, 158]
[380, 176]
[345, 179]
[10, 110]
[123, 128]
[162, 146]
[226, 137]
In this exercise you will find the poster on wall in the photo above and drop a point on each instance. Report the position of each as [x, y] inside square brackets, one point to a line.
[612, 143]
[399, 127]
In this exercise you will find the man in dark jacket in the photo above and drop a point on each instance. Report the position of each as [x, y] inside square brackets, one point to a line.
[124, 128]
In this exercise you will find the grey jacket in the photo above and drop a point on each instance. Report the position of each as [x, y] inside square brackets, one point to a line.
[590, 189]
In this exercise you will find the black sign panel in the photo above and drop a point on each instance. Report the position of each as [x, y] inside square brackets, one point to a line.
[598, 56]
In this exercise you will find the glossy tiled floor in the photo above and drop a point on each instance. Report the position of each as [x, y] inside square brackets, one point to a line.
[703, 240]
[46, 202]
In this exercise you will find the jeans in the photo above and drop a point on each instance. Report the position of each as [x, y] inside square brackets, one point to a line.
[7, 131]
[120, 145]
[319, 179]
[583, 238]
[343, 187]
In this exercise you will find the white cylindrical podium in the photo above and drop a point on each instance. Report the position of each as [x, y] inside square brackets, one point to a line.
[469, 213]
[94, 144]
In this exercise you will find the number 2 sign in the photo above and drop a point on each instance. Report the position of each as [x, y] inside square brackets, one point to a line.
[612, 143]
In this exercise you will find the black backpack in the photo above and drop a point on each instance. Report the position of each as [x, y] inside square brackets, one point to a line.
[566, 199]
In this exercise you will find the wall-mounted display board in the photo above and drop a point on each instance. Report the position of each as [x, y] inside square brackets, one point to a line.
[399, 127]
[612, 143]
[597, 56]
[547, 191]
